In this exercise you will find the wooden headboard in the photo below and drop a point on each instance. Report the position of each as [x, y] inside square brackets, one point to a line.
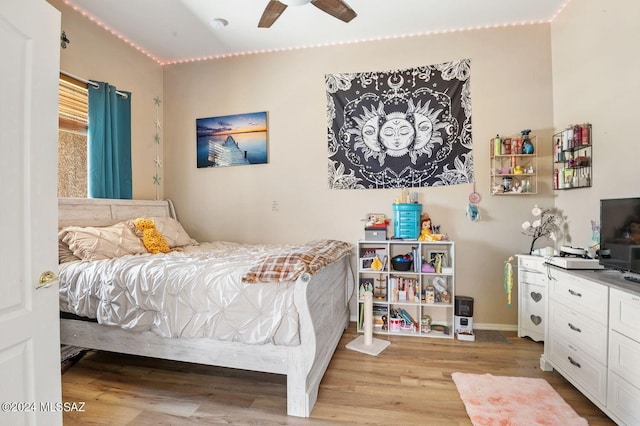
[105, 212]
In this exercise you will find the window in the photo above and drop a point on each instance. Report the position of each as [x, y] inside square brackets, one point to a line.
[73, 106]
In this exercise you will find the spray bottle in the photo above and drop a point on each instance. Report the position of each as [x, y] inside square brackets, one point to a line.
[497, 145]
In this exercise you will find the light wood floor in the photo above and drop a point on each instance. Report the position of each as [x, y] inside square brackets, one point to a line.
[409, 383]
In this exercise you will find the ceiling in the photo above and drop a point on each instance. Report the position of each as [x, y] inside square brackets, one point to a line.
[171, 31]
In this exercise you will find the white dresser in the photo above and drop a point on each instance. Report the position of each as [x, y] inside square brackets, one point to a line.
[624, 356]
[532, 296]
[578, 328]
[593, 339]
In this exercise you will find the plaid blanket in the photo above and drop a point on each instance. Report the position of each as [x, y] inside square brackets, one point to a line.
[288, 266]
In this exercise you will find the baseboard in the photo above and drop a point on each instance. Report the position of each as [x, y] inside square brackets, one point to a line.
[499, 327]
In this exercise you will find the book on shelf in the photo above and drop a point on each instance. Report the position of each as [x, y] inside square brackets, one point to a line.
[404, 289]
[417, 259]
[379, 311]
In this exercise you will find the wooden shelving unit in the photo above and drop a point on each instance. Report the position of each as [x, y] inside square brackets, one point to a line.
[512, 171]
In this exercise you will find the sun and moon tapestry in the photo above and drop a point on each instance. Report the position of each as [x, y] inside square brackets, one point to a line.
[401, 128]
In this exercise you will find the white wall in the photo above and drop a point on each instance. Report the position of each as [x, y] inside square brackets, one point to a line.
[511, 90]
[96, 54]
[581, 68]
[596, 79]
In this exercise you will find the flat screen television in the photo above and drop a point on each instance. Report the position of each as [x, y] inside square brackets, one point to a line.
[620, 234]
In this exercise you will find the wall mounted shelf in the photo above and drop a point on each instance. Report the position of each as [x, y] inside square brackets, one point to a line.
[572, 159]
[514, 172]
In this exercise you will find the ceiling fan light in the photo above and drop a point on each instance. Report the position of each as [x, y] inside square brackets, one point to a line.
[295, 2]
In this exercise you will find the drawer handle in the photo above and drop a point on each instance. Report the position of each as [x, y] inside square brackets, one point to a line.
[536, 296]
[535, 319]
[573, 362]
[574, 328]
[574, 293]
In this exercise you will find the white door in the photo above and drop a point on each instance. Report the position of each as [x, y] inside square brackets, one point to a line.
[29, 325]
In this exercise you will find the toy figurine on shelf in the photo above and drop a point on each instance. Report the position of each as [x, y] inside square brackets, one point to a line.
[377, 264]
[438, 263]
[425, 228]
[427, 233]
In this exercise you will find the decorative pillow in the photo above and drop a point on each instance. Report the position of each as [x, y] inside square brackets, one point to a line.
[64, 252]
[172, 231]
[97, 243]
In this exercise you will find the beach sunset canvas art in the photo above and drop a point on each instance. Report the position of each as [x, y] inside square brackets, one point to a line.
[232, 140]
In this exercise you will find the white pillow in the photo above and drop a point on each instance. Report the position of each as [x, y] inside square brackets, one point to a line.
[64, 252]
[98, 243]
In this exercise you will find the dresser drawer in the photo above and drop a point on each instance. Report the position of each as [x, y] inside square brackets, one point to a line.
[624, 314]
[408, 215]
[580, 295]
[624, 357]
[532, 270]
[531, 276]
[622, 400]
[578, 367]
[580, 331]
[532, 262]
[532, 301]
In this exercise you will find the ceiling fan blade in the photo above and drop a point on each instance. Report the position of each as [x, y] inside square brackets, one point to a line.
[272, 12]
[336, 8]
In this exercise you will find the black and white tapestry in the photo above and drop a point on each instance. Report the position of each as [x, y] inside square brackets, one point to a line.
[400, 129]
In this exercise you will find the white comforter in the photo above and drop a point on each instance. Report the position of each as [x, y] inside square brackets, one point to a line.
[195, 293]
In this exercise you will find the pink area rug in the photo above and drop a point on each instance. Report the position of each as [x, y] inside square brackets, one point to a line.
[500, 400]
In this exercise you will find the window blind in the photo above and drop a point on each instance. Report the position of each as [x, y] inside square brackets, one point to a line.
[73, 104]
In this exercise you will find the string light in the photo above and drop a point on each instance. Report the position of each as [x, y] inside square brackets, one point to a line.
[111, 31]
[310, 46]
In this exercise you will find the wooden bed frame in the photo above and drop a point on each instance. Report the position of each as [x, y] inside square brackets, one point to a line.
[321, 301]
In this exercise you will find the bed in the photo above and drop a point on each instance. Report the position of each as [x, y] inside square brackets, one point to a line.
[319, 298]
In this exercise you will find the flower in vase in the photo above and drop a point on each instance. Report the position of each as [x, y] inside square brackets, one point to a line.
[543, 226]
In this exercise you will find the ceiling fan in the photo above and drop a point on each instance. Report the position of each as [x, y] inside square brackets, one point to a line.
[336, 8]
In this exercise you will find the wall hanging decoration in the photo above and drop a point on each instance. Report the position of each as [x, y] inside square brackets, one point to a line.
[156, 138]
[64, 40]
[232, 140]
[401, 128]
[472, 212]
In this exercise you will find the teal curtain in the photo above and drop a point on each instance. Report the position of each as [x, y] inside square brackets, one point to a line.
[109, 143]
